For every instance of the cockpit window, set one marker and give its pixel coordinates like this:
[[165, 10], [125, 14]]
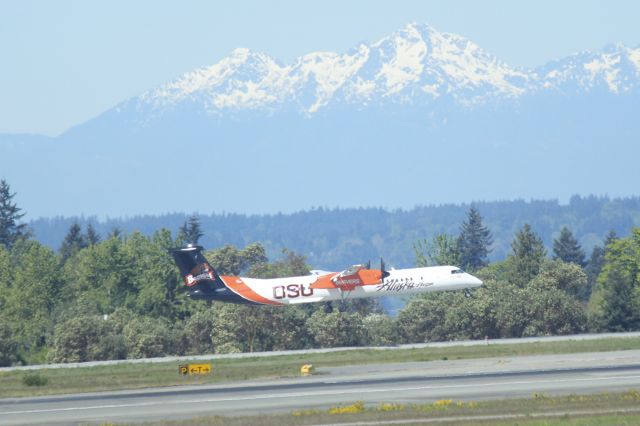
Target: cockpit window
[[457, 271]]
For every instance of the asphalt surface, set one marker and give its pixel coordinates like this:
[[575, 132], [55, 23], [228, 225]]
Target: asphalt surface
[[417, 382]]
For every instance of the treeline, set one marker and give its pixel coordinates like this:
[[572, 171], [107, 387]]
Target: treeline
[[336, 238], [119, 295]]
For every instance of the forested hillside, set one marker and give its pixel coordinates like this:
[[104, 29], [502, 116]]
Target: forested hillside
[[335, 238], [113, 296]]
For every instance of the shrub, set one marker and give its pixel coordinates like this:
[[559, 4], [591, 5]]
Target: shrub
[[73, 338], [381, 330], [35, 379]]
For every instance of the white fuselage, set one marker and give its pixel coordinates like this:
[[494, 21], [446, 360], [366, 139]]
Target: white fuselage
[[295, 290]]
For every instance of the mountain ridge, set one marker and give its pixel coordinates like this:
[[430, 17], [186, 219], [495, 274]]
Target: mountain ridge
[[416, 117], [416, 59], [598, 69]]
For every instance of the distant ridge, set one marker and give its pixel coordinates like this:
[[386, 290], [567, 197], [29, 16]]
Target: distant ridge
[[333, 238]]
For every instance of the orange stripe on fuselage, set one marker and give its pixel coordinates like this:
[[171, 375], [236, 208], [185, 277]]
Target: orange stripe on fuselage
[[243, 290]]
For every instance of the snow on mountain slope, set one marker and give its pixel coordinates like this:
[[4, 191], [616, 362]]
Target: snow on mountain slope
[[616, 70], [243, 80], [414, 64]]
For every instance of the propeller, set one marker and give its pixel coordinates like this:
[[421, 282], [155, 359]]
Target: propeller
[[383, 274]]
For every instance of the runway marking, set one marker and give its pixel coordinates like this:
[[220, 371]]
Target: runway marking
[[313, 393]]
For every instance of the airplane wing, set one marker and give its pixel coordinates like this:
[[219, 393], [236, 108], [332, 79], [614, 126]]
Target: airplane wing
[[350, 278]]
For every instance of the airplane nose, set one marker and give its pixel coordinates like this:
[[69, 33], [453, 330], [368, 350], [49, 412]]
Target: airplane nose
[[474, 281]]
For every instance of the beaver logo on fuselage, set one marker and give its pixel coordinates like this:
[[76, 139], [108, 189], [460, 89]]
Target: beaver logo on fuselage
[[199, 272]]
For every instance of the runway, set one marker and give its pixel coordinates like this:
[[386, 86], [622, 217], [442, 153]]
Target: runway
[[417, 382]]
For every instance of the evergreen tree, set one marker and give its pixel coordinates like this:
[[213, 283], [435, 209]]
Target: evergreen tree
[[443, 250], [190, 232], [73, 242], [528, 255], [593, 269], [610, 237], [617, 296], [474, 242], [92, 237], [619, 307], [116, 232], [567, 249], [597, 261], [10, 229]]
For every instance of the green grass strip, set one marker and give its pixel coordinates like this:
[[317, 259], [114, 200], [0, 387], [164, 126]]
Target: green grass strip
[[136, 376], [622, 408]]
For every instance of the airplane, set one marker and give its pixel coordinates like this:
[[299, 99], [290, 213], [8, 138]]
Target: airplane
[[358, 281]]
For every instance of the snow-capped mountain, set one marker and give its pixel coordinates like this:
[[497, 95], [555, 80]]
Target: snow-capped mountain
[[415, 65], [420, 116], [615, 70]]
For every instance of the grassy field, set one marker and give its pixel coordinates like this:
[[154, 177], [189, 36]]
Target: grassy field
[[134, 376], [584, 410]]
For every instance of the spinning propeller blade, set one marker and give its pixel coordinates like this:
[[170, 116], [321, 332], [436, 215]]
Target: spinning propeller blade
[[383, 273]]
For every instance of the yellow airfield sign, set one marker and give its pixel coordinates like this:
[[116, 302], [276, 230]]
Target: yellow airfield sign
[[193, 369]]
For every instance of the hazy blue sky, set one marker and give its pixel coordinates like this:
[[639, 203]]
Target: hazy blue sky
[[63, 62]]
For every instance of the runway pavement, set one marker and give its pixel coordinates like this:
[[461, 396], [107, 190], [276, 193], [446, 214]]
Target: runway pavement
[[407, 382]]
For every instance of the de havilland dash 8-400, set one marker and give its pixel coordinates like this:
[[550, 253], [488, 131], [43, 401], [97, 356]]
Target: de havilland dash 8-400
[[358, 281]]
